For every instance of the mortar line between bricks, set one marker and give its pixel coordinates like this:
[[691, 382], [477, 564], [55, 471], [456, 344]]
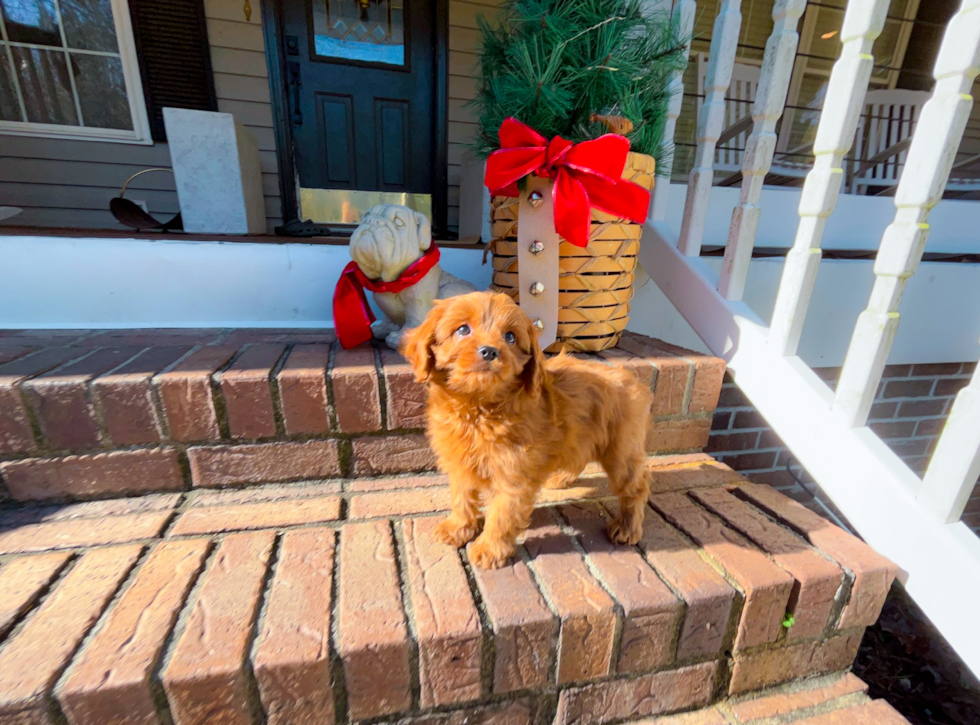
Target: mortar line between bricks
[[379, 375], [331, 399], [338, 678], [157, 692], [276, 394], [175, 513], [218, 398], [692, 371], [18, 623], [404, 589], [53, 706], [254, 700], [566, 528], [556, 623], [488, 653]]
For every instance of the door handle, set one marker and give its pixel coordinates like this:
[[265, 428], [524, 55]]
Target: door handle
[[295, 83]]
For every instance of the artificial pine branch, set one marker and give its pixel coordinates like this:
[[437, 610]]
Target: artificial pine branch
[[555, 64]]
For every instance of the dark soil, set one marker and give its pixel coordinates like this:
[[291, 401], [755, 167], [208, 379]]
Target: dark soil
[[906, 662]]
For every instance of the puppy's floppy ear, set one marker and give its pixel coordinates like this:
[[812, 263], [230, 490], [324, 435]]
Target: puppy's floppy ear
[[423, 230], [417, 344], [533, 373]]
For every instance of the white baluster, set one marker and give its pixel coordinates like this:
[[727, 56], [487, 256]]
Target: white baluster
[[721, 59], [684, 12], [842, 109], [777, 68], [930, 159], [955, 466]]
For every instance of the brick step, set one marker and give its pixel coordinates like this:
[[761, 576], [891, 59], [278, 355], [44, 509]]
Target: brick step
[[329, 602], [115, 413], [829, 700]]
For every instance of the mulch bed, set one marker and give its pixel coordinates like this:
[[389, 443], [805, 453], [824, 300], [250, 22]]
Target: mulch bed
[[906, 662]]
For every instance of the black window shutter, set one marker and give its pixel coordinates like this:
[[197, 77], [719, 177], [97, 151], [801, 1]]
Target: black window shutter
[[174, 56]]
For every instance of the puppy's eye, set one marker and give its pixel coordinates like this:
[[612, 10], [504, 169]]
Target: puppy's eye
[[399, 222], [463, 330], [510, 337]]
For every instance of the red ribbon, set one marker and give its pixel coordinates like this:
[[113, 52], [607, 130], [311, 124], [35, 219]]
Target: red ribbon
[[352, 315], [586, 175]]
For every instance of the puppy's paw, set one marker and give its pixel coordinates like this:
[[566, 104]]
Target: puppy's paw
[[488, 554], [625, 533], [454, 534]]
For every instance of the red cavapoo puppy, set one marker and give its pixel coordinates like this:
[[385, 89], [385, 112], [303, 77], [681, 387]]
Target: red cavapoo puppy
[[504, 421]]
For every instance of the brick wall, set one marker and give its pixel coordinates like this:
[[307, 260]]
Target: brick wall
[[908, 413]]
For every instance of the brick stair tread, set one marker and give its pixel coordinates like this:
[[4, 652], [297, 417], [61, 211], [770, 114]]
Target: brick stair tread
[[93, 414], [318, 601]]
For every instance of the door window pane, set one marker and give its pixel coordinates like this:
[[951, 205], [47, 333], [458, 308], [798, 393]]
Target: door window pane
[[9, 107], [102, 91], [31, 21], [364, 30], [89, 25], [45, 85]]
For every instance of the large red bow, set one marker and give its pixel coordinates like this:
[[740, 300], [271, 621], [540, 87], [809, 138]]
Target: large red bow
[[588, 174], [352, 316]]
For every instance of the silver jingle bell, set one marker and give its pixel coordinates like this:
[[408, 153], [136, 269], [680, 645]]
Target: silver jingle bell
[[536, 247], [537, 288]]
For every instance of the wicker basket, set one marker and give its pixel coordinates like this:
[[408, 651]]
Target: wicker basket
[[595, 283]]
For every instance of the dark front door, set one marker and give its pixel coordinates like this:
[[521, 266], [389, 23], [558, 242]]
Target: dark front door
[[361, 103]]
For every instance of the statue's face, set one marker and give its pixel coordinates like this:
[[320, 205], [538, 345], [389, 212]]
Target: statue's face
[[389, 238]]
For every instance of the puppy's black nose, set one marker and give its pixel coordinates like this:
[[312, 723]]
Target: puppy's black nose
[[489, 353]]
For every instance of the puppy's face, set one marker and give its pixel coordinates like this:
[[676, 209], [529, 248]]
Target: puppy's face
[[480, 345]]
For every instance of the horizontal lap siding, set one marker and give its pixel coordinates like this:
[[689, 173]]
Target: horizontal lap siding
[[464, 48], [65, 183]]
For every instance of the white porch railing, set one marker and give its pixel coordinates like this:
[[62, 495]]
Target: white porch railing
[[913, 521]]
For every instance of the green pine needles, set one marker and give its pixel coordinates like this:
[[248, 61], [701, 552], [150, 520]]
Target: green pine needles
[[552, 64]]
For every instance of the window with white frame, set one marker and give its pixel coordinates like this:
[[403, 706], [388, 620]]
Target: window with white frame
[[68, 69]]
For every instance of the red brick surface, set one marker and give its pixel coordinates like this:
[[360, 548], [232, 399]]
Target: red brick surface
[[645, 371], [782, 664], [878, 712], [766, 587], [116, 473], [392, 454], [372, 635], [399, 503], [873, 574], [678, 434], [303, 390], [523, 627], [447, 625], [61, 402], [673, 375], [49, 638], [217, 466], [405, 396], [651, 612], [785, 703], [125, 397], [274, 514], [585, 611], [247, 392], [709, 373], [292, 657], [355, 390], [204, 679], [82, 532], [23, 581], [616, 700], [15, 425], [109, 682], [817, 579], [709, 599], [185, 393]]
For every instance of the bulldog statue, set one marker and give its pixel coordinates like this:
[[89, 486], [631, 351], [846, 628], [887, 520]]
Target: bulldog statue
[[391, 241]]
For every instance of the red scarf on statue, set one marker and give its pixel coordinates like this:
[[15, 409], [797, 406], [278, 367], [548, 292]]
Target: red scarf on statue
[[352, 315]]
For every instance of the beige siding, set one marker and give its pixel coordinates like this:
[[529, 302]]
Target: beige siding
[[64, 183], [464, 48]]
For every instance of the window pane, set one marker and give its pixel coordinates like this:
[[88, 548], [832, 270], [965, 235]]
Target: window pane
[[102, 91], [9, 108], [31, 21], [89, 25], [44, 82], [356, 30]]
